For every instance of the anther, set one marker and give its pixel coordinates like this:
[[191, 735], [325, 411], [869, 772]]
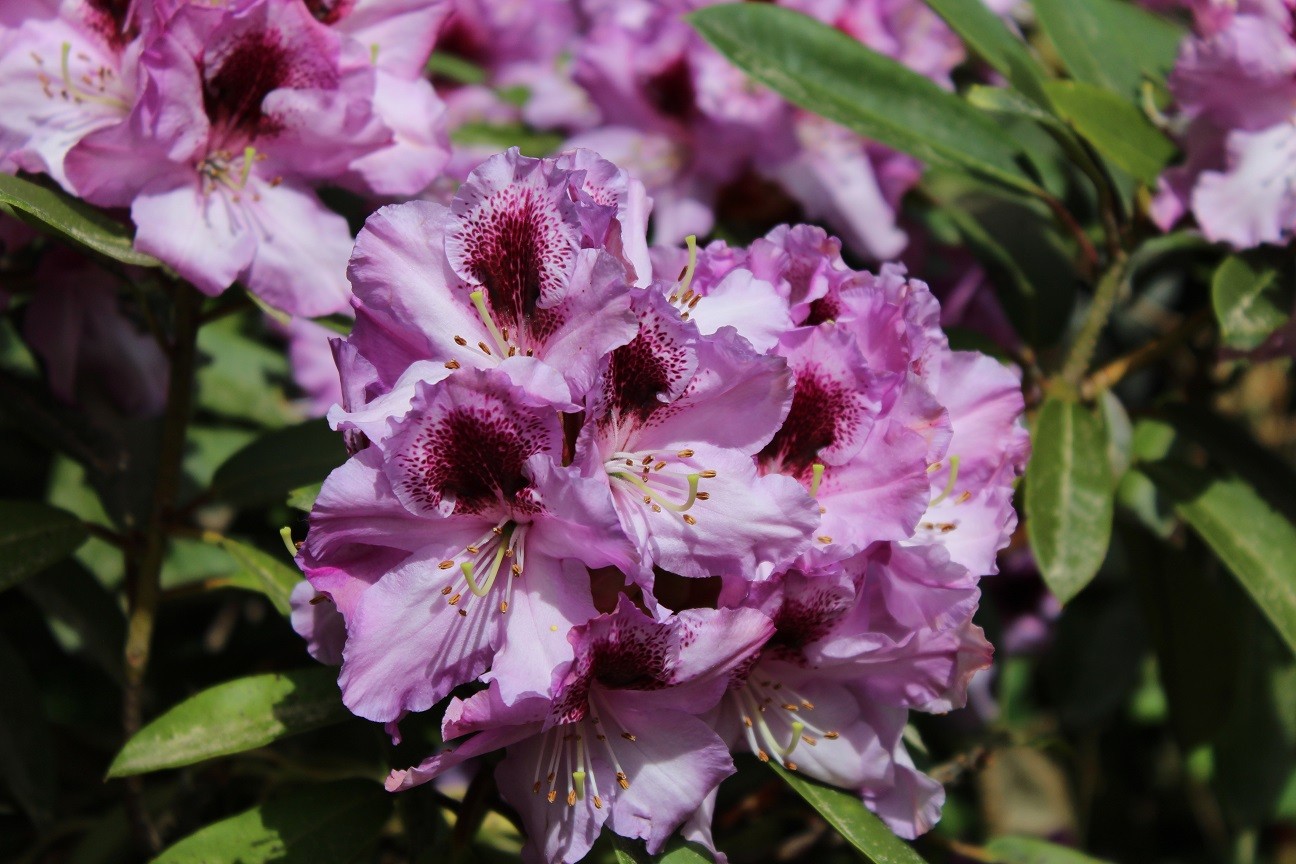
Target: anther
[[484, 347], [689, 518], [791, 766], [446, 565], [685, 454], [704, 496], [503, 606], [552, 795], [762, 755], [622, 780], [832, 736], [598, 803], [463, 612], [460, 341], [571, 798], [447, 589], [824, 538], [452, 364], [455, 599], [627, 736], [708, 474]]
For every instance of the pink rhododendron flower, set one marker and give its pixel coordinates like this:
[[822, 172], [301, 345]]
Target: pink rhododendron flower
[[548, 422], [213, 123], [1236, 85]]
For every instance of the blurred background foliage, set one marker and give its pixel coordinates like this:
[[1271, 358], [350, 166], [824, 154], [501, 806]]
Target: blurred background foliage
[[1152, 718]]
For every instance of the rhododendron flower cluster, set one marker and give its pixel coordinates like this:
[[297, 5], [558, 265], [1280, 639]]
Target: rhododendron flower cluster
[[636, 509], [1235, 84], [633, 81], [214, 123]]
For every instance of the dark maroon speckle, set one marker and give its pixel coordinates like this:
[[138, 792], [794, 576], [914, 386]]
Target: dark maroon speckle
[[234, 90], [474, 456], [822, 413]]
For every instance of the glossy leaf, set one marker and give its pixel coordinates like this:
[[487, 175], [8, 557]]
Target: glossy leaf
[[1032, 850], [1244, 531], [273, 465], [1069, 496], [1110, 43], [986, 35], [324, 824], [1114, 126], [847, 813], [233, 717], [65, 216], [1250, 300], [32, 537], [825, 71], [260, 571]]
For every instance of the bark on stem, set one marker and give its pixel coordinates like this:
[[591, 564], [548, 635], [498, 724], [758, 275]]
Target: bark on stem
[[147, 573]]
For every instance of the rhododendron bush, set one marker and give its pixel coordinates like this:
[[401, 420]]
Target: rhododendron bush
[[652, 430]]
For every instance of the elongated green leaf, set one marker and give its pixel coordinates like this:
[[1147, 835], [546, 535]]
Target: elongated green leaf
[[629, 851], [233, 717], [27, 755], [1244, 531], [1069, 496], [32, 537], [1031, 850], [847, 813], [986, 35], [1250, 300], [303, 497], [825, 71], [276, 463], [69, 217], [84, 616], [326, 824], [680, 852], [1110, 43], [1114, 126], [260, 571]]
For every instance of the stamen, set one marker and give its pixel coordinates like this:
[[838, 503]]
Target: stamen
[[479, 301], [691, 242], [949, 484]]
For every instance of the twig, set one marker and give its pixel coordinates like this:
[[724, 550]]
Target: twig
[[1111, 374], [1088, 252], [147, 575]]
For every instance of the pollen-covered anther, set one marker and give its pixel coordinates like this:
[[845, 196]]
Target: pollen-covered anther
[[708, 474], [685, 454], [452, 364], [690, 519], [446, 565], [627, 736], [824, 538], [622, 780], [460, 341]]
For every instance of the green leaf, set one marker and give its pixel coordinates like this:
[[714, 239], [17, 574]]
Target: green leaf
[[986, 35], [233, 717], [826, 71], [628, 851], [1110, 43], [84, 617], [1244, 531], [847, 813], [326, 824], [1119, 131], [1030, 850], [32, 537], [1069, 496], [457, 69], [65, 216], [681, 852], [27, 755], [1251, 299], [270, 467], [243, 378], [499, 136], [1185, 594], [303, 497], [259, 571]]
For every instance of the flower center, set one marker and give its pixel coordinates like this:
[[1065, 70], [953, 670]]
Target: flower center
[[499, 551], [663, 481], [776, 719], [567, 751]]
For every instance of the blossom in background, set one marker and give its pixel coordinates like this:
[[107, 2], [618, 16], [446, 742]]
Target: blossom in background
[[1235, 85], [557, 434], [213, 123]]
